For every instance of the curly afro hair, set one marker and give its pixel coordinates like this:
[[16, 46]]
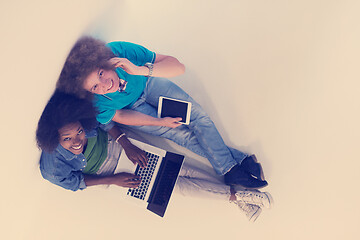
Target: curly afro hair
[[61, 110], [87, 55]]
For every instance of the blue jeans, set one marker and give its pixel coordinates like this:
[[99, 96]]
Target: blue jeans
[[200, 136]]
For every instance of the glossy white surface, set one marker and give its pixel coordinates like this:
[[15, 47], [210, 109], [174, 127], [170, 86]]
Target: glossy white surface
[[279, 78]]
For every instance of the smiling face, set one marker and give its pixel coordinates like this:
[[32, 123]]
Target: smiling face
[[72, 137], [102, 81]]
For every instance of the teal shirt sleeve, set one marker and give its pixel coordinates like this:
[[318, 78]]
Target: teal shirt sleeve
[[106, 111], [106, 116], [137, 54]]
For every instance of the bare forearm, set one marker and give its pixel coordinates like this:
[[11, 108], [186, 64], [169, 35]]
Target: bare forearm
[[167, 66], [134, 118], [119, 179], [91, 180], [116, 132], [164, 66]]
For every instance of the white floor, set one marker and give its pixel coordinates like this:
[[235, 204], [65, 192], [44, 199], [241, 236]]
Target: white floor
[[279, 78]]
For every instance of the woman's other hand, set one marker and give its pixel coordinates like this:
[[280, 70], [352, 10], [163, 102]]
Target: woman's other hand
[[135, 154], [127, 180]]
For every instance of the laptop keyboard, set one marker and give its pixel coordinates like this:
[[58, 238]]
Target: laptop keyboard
[[146, 175]]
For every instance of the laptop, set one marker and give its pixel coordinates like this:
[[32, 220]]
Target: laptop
[[157, 179]]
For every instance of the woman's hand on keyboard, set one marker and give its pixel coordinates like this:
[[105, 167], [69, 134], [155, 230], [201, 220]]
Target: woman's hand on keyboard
[[135, 154], [127, 180]]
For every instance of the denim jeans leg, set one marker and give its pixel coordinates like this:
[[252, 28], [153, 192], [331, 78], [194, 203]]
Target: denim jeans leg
[[181, 135], [200, 136], [193, 182]]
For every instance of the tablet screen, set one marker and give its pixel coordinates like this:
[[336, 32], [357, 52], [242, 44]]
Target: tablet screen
[[174, 108]]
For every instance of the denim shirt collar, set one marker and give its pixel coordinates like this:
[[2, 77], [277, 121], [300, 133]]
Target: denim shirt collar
[[65, 153]]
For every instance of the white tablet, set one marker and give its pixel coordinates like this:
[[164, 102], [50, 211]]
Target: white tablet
[[169, 107]]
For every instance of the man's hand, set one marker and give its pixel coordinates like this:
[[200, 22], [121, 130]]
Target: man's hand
[[128, 66], [171, 122]]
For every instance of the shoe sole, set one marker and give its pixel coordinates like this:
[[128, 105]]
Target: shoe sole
[[252, 188], [255, 215], [271, 200], [245, 188]]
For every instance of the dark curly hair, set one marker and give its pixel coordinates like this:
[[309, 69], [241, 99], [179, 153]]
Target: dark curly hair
[[63, 109], [87, 55]]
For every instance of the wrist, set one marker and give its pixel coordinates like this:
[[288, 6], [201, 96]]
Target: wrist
[[150, 67], [121, 136], [109, 180], [143, 71], [125, 143], [159, 122]]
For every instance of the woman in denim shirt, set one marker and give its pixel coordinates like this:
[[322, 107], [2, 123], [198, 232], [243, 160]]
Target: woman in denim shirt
[[64, 128], [125, 81], [77, 154]]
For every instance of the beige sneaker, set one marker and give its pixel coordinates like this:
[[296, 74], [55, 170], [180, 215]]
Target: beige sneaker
[[261, 199], [251, 211]]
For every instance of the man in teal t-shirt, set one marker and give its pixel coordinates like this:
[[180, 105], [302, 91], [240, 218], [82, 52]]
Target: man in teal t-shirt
[[140, 94], [134, 85]]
